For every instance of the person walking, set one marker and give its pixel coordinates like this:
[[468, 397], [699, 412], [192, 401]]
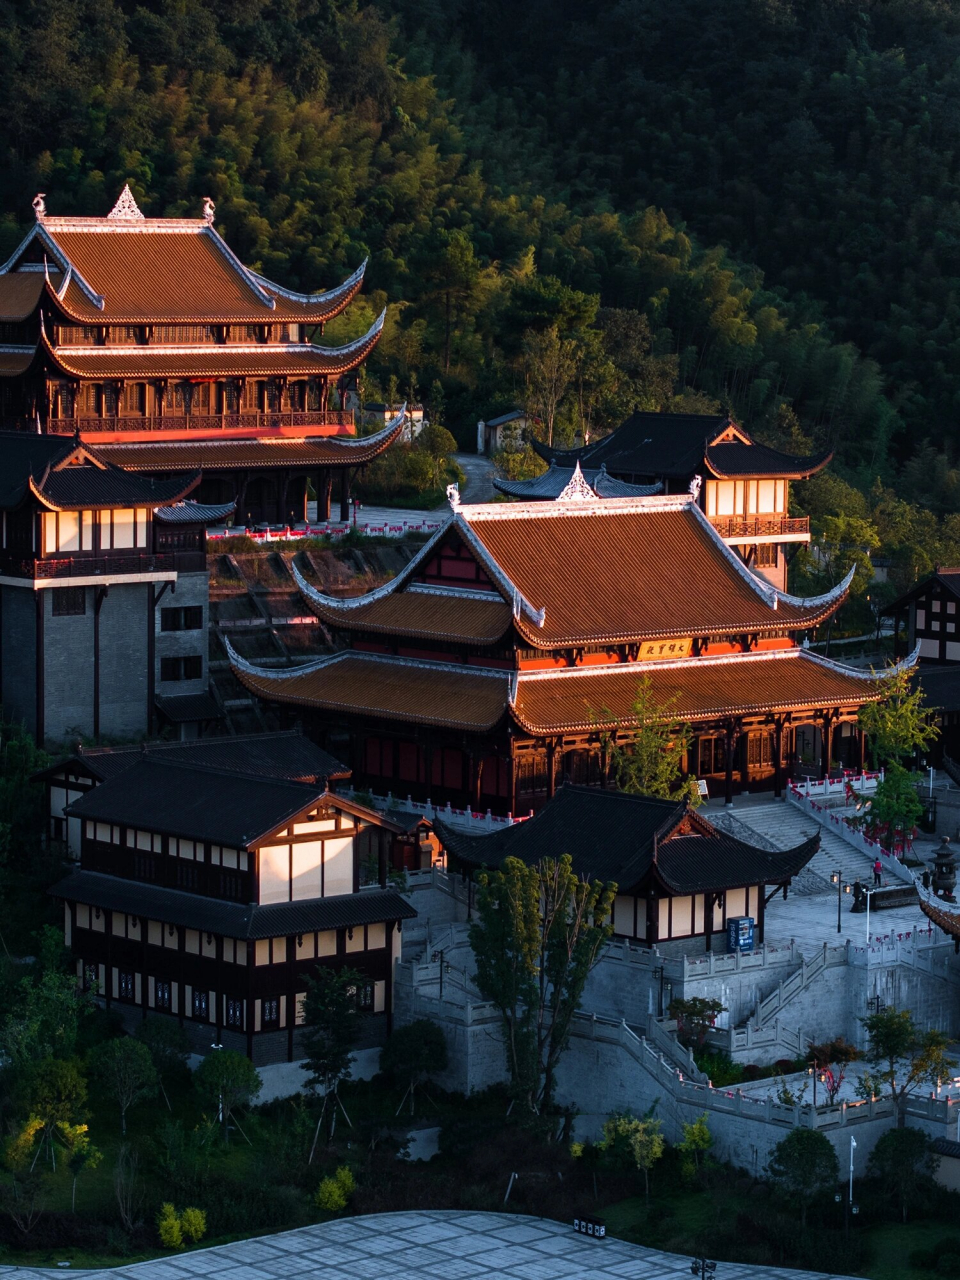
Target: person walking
[[877, 874]]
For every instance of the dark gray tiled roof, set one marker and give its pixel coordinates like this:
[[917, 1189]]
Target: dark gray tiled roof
[[232, 919], [624, 838], [196, 802], [675, 444], [271, 755], [90, 486], [552, 483], [189, 512]]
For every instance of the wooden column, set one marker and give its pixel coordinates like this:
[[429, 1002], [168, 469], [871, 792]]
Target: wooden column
[[323, 496], [551, 769], [730, 738], [826, 742], [345, 494], [778, 757], [861, 750], [476, 772]]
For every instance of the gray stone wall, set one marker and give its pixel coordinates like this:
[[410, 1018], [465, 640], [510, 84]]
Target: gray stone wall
[[192, 589], [18, 646], [68, 669], [124, 666]]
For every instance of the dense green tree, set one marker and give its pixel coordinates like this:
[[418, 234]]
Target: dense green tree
[[648, 759], [413, 1054], [124, 1068], [226, 1081], [904, 1165], [331, 1029], [804, 1165], [903, 1058], [538, 932]]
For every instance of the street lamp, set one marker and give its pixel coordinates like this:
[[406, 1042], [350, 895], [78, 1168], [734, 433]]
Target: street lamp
[[702, 1268], [817, 1075], [842, 888], [220, 1110]]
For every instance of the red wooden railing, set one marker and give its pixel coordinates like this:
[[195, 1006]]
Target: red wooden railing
[[202, 422], [760, 526]]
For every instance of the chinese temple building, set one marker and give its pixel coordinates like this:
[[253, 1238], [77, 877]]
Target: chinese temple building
[[506, 656], [103, 593], [211, 895], [677, 876], [148, 338], [745, 493]]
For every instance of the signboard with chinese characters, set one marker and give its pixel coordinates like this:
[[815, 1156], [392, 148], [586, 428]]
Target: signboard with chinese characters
[[661, 649]]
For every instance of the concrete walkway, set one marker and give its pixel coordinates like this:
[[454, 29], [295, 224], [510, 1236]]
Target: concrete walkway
[[430, 1245]]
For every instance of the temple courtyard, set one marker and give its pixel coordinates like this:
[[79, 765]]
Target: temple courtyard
[[431, 1245]]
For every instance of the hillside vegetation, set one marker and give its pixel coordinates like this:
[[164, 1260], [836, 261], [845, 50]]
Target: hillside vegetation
[[554, 214]]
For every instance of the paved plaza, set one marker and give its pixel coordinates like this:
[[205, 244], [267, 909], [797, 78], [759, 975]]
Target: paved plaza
[[430, 1245]]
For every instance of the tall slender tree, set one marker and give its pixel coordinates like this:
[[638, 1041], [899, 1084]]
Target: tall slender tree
[[538, 933]]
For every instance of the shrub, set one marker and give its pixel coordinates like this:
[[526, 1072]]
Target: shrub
[[193, 1224], [334, 1192], [752, 1072], [174, 1228], [168, 1227]]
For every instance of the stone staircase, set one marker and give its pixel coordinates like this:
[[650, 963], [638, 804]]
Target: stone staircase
[[786, 826]]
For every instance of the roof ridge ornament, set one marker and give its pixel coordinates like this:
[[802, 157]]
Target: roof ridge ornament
[[209, 211], [126, 209], [453, 496], [576, 489], [40, 206], [695, 484]]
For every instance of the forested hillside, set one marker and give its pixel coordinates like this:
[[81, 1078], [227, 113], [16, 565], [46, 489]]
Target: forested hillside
[[818, 138], [508, 191]]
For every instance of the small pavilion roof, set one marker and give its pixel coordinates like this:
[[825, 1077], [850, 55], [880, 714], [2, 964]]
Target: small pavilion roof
[[630, 839], [556, 479], [678, 445], [190, 512], [125, 268], [64, 475]]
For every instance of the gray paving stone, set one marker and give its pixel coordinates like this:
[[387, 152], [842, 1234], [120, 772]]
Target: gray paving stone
[[427, 1245]]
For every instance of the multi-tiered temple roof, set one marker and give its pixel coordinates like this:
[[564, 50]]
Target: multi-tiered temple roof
[[136, 331], [565, 606]]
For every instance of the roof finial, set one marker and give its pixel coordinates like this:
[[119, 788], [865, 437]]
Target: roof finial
[[126, 209], [453, 496], [39, 205], [209, 209], [695, 484]]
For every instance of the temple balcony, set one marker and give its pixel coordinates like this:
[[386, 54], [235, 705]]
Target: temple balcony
[[161, 565], [330, 422], [760, 529]]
